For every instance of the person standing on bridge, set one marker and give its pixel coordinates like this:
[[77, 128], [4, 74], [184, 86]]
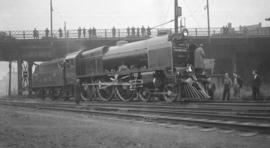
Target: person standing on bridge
[[133, 31], [90, 32], [46, 32], [148, 31], [138, 31], [143, 31], [113, 31], [60, 33], [128, 31], [35, 33], [94, 32], [84, 32], [79, 32]]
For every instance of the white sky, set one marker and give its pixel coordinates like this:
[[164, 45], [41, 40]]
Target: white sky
[[29, 14]]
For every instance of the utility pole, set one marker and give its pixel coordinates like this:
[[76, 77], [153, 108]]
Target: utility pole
[[51, 12], [175, 16], [208, 19], [65, 29], [9, 79]]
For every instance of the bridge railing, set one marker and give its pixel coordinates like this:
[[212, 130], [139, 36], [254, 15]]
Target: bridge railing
[[123, 33]]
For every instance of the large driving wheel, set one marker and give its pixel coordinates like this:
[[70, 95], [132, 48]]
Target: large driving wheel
[[125, 93], [145, 94], [105, 93], [171, 93]]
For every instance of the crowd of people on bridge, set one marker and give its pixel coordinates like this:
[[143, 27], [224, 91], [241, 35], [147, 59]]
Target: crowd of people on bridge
[[92, 32]]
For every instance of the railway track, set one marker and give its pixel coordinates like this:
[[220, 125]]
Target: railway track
[[255, 118]]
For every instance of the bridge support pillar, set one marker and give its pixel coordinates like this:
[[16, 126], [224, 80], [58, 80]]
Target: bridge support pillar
[[19, 73], [24, 77], [30, 66]]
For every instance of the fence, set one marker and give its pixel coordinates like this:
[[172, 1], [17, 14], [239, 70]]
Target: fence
[[124, 33]]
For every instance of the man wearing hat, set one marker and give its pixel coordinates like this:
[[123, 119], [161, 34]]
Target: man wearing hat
[[199, 59]]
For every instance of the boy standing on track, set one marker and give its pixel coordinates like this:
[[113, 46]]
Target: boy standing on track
[[237, 85]]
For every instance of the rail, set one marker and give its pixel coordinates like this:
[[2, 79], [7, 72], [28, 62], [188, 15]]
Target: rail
[[246, 122], [127, 33]]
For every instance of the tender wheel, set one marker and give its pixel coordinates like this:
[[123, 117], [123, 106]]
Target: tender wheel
[[145, 94], [56, 93], [105, 93], [124, 93], [171, 93], [41, 93], [52, 94]]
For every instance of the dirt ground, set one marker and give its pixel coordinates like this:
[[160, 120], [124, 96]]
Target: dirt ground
[[31, 128]]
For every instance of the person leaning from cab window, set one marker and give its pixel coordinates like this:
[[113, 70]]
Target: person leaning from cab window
[[199, 59]]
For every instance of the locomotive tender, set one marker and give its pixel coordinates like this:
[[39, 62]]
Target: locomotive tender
[[155, 67]]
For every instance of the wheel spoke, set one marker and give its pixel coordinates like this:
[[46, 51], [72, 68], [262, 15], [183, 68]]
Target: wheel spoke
[[106, 93], [145, 94]]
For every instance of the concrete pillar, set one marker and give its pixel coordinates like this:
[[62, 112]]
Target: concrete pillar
[[9, 79], [30, 65], [19, 67]]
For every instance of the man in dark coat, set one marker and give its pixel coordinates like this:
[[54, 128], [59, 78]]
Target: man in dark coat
[[256, 83]]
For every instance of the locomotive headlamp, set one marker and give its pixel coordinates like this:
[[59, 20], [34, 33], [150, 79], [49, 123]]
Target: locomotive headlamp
[[185, 32]]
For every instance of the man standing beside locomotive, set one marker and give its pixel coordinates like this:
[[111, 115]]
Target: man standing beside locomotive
[[237, 85], [227, 87], [199, 59], [256, 83]]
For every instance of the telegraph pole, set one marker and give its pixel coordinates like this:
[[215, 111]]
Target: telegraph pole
[[208, 19], [175, 16], [51, 12], [9, 80]]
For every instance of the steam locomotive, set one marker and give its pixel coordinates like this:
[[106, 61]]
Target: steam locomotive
[[152, 68]]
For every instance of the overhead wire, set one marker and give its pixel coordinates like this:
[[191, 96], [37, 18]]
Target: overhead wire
[[168, 8], [193, 12]]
